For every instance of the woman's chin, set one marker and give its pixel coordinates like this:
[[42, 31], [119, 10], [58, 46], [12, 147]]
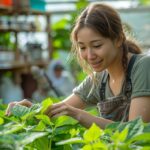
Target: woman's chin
[[98, 69]]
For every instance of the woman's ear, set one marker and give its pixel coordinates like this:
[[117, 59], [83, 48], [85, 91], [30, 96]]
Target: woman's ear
[[118, 42]]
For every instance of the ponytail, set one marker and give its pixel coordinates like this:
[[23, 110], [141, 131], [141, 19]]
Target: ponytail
[[129, 46]]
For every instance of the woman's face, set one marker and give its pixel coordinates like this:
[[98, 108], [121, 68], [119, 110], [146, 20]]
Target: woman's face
[[99, 52]]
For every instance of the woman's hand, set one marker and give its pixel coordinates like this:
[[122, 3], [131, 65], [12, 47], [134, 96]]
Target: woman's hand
[[60, 109], [24, 102]]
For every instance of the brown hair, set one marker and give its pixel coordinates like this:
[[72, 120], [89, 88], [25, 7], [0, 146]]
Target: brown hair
[[106, 21]]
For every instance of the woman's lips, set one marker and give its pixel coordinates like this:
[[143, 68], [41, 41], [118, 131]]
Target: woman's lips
[[96, 64]]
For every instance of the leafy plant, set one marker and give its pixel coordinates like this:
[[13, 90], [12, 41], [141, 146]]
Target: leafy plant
[[30, 128]]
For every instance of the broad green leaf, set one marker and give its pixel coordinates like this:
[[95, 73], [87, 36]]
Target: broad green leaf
[[19, 110], [45, 104], [135, 128], [120, 136], [74, 132], [1, 121], [87, 147], [24, 112], [63, 120], [11, 129], [123, 134], [141, 137], [45, 119], [145, 148], [42, 143], [99, 146], [93, 133], [70, 141], [30, 137], [35, 109], [146, 127], [40, 127], [64, 129]]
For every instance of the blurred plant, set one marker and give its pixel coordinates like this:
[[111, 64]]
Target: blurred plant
[[144, 2], [61, 29], [5, 41], [61, 37]]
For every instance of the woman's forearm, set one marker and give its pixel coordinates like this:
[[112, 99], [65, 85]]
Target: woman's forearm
[[87, 119]]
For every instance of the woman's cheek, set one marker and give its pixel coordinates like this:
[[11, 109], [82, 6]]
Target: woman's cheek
[[82, 55]]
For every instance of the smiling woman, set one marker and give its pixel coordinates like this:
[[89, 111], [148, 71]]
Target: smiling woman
[[119, 76]]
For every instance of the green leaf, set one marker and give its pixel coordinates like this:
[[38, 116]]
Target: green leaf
[[141, 137], [24, 112], [63, 120], [1, 121], [45, 104], [87, 147], [45, 119], [41, 143], [146, 127], [136, 127], [11, 128], [123, 134], [93, 133], [74, 132], [120, 136], [35, 109], [40, 127], [70, 141], [19, 110], [30, 137]]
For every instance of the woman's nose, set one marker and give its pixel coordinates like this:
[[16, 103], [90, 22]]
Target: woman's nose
[[90, 54]]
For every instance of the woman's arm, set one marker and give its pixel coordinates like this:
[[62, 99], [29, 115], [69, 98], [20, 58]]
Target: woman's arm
[[140, 106], [72, 107]]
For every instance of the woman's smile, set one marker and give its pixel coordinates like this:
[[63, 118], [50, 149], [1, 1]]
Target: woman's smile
[[95, 65]]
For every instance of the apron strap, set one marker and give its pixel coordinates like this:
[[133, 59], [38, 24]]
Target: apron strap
[[128, 86], [103, 85]]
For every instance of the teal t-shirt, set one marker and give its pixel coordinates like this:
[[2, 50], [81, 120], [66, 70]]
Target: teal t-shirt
[[89, 90]]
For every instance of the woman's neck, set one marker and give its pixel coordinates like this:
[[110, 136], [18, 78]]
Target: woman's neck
[[117, 75], [116, 70]]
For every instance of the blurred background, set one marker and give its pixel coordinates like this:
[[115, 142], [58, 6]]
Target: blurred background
[[35, 44]]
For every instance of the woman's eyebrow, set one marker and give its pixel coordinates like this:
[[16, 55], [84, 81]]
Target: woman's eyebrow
[[79, 42], [95, 41]]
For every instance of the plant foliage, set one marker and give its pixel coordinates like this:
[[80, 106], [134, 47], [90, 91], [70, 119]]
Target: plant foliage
[[31, 129]]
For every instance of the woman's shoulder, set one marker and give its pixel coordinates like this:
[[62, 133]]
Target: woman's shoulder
[[142, 59], [142, 63]]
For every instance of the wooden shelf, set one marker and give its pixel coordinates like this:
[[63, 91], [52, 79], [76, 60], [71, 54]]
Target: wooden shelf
[[11, 11], [3, 29], [15, 66]]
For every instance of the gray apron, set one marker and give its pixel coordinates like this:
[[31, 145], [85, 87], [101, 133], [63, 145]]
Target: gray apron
[[116, 108]]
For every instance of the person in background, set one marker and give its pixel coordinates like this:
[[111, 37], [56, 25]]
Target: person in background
[[10, 89], [44, 86], [61, 79], [118, 79]]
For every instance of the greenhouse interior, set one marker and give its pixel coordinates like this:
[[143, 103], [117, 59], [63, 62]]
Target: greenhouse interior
[[72, 75]]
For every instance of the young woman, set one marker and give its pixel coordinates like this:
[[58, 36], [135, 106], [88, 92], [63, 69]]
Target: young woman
[[119, 76]]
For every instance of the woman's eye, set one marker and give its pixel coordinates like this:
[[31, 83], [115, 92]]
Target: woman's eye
[[82, 48], [97, 46]]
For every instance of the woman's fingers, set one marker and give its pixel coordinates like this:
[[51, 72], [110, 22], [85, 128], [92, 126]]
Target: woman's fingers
[[60, 114], [57, 110], [10, 106], [53, 107], [25, 102]]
